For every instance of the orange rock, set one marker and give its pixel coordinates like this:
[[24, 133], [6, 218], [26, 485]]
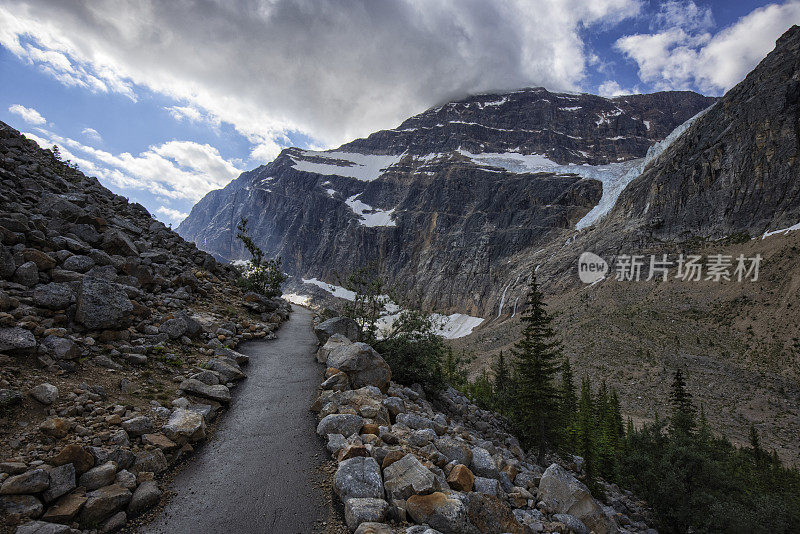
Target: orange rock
[[391, 458], [76, 455], [370, 428], [461, 478]]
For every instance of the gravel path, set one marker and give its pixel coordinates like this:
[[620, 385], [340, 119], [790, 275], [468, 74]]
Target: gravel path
[[261, 471]]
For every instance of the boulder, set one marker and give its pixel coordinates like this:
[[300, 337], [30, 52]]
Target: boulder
[[487, 486], [461, 478], [114, 523], [62, 481], [564, 494], [101, 304], [41, 527], [228, 371], [340, 423], [54, 296], [45, 393], [136, 426], [152, 461], [15, 339], [9, 398], [146, 496], [217, 393], [345, 326], [76, 455], [175, 328], [103, 503], [371, 527], [66, 508], [363, 510], [20, 507], [362, 364], [30, 482], [97, 477], [78, 263], [490, 515], [483, 464], [185, 425], [445, 513], [407, 477], [117, 242], [60, 348], [333, 342], [574, 524], [454, 450], [27, 274], [358, 477]]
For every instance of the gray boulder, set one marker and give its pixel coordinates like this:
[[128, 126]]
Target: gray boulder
[[27, 274], [78, 263], [146, 496], [136, 426], [101, 304], [340, 423], [60, 348], [217, 393], [42, 527], [54, 296], [15, 339], [483, 464], [362, 364], [334, 342], [565, 494], [185, 425], [407, 477], [62, 481], [45, 393], [228, 370], [454, 450], [364, 510], [103, 503], [338, 325], [97, 477], [358, 477], [574, 524], [32, 481]]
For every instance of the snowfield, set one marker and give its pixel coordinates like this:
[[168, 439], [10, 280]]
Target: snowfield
[[363, 167]]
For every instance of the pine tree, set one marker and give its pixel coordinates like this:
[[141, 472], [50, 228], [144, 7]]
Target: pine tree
[[587, 424], [682, 421], [535, 402], [568, 408], [502, 384]]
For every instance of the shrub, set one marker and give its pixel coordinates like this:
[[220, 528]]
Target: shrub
[[263, 276]]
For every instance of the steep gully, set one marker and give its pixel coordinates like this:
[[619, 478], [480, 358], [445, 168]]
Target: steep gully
[[260, 472]]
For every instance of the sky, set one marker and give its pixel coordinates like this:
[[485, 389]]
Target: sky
[[166, 101]]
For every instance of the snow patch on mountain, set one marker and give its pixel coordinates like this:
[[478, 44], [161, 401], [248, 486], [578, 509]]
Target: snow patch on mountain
[[363, 167], [782, 231], [336, 291], [370, 216]]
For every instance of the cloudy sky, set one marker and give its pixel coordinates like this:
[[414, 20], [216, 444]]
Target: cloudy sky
[[165, 101]]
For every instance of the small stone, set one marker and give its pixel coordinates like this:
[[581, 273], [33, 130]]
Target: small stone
[[344, 424], [126, 479], [185, 425], [41, 527], [56, 427], [9, 398], [15, 339], [358, 478], [114, 523], [27, 274]]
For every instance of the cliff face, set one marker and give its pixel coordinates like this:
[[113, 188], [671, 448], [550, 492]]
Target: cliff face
[[447, 198]]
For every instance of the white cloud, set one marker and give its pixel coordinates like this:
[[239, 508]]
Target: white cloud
[[610, 89], [684, 14], [92, 134], [330, 71], [177, 169], [685, 56], [29, 115], [173, 215]]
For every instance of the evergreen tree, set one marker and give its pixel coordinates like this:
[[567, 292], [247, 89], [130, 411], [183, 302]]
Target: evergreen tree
[[535, 402], [682, 421], [502, 384], [587, 425], [568, 408]]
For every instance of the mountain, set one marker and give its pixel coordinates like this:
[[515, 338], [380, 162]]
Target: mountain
[[458, 203], [445, 199]]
